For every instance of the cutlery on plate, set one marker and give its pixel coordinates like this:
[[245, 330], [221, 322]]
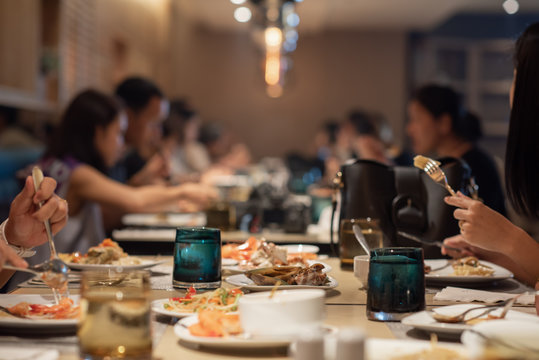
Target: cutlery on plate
[[506, 304], [432, 168], [419, 240], [52, 272]]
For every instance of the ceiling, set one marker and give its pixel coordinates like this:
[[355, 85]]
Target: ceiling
[[318, 15]]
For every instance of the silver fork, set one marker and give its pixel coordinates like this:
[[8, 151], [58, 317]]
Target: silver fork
[[432, 168]]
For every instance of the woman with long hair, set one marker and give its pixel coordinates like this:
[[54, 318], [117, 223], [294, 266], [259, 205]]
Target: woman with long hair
[[485, 232]]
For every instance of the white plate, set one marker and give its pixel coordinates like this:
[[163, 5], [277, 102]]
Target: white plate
[[165, 220], [384, 349], [237, 269], [228, 262], [143, 265], [246, 283], [515, 332], [299, 248], [34, 325], [157, 307], [234, 342], [442, 273], [423, 321]]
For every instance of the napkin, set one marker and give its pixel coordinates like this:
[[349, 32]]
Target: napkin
[[468, 295], [20, 353]]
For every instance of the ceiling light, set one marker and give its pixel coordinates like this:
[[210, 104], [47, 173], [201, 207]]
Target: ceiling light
[[273, 37], [242, 14], [510, 6], [292, 19], [237, 2]]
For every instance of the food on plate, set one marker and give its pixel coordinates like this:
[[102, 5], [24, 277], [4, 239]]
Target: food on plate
[[255, 253], [291, 275], [215, 323], [221, 299], [106, 253], [66, 309], [435, 352], [428, 269], [471, 266]]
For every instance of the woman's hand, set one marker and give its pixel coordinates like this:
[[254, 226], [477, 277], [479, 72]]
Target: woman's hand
[[480, 226], [25, 225], [7, 254]]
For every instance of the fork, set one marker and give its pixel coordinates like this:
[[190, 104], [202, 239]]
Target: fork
[[507, 304], [432, 168]]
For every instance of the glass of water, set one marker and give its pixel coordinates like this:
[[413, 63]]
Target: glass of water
[[396, 283], [197, 258], [115, 315]]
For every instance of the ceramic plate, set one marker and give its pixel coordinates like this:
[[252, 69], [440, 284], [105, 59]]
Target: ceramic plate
[[246, 283], [423, 321], [34, 326], [442, 273], [237, 269], [165, 220], [157, 307], [143, 265], [228, 262], [517, 333], [235, 342], [299, 248]]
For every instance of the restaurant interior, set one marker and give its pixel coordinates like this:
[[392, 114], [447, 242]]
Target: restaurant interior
[[256, 179]]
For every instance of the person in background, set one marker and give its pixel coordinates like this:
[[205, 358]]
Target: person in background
[[485, 232], [439, 126], [24, 228], [88, 142], [188, 158], [222, 149], [146, 109]]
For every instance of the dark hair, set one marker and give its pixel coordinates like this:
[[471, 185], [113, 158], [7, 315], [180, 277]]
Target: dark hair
[[362, 122], [136, 92], [331, 127], [522, 153], [75, 134], [210, 133], [180, 114], [440, 100], [9, 114]]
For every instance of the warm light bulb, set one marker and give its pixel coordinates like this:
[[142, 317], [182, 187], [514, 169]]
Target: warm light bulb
[[273, 68], [242, 14], [273, 37], [510, 6], [237, 2]]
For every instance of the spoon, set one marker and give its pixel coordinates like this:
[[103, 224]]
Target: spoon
[[487, 309], [52, 272], [54, 265], [361, 239]]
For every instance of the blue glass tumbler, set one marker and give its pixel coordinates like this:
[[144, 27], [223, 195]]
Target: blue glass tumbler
[[197, 258], [396, 283]]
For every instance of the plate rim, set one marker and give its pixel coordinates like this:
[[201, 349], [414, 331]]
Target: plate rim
[[34, 324], [332, 285], [505, 274], [181, 331], [447, 328], [145, 264]]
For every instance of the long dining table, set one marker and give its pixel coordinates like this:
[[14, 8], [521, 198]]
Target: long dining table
[[345, 307]]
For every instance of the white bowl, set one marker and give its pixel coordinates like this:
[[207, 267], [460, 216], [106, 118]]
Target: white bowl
[[287, 313], [361, 269]]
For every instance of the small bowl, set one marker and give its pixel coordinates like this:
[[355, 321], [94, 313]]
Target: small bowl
[[287, 313], [361, 269]]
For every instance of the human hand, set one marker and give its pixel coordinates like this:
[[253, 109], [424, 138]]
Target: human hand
[[7, 254], [201, 194], [25, 225], [481, 226], [458, 242]]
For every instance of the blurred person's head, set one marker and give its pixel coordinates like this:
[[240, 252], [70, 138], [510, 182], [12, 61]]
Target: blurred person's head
[[215, 139], [146, 108], [435, 115], [522, 152], [366, 141], [182, 122], [91, 130]]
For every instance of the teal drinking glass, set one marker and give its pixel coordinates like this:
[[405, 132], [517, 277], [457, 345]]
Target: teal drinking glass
[[396, 283], [197, 258]]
